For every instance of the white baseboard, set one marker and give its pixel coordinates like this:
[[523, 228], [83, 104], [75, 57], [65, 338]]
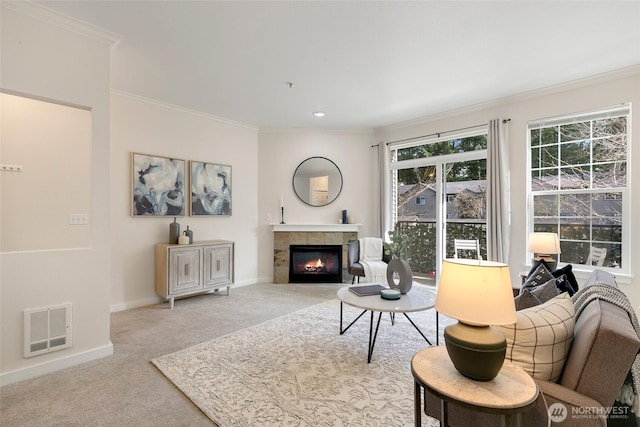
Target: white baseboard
[[134, 304], [157, 300], [55, 365], [266, 279]]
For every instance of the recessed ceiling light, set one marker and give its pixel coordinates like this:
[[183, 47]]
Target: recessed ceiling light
[[319, 113]]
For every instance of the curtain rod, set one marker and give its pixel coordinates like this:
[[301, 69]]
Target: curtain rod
[[440, 133]]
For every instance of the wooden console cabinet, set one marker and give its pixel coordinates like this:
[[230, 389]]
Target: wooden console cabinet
[[183, 270]]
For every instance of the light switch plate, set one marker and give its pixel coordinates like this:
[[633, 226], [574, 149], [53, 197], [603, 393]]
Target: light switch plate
[[78, 219]]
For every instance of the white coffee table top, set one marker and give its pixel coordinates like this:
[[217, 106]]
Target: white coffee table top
[[419, 298]]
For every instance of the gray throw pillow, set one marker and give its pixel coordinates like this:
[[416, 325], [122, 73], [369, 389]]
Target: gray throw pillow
[[525, 300], [547, 291], [539, 276]]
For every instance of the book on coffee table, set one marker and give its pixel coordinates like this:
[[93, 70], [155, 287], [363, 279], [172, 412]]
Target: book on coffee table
[[365, 290]]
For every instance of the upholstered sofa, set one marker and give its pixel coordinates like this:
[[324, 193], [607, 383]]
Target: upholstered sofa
[[604, 347]]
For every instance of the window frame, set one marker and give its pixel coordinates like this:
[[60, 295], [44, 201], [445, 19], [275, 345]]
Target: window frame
[[437, 161], [623, 274]]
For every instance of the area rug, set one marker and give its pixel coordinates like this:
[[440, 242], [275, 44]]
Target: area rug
[[297, 370]]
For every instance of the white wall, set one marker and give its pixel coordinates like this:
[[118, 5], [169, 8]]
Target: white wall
[[280, 153], [60, 147], [601, 91], [47, 61], [147, 127]]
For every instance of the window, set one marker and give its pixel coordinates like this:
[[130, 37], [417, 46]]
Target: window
[[438, 190], [578, 184]]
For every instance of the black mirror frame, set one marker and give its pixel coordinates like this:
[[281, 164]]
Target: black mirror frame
[[293, 181]]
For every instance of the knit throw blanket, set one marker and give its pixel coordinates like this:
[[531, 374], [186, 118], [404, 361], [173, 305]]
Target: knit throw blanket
[[608, 293], [375, 270]]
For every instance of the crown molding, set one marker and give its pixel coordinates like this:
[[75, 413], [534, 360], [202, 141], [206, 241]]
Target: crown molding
[[173, 107], [318, 131], [622, 73], [49, 16]]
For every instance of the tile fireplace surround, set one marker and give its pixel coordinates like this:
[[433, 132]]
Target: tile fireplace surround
[[309, 234]]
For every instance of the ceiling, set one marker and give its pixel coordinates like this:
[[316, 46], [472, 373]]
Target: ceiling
[[366, 63]]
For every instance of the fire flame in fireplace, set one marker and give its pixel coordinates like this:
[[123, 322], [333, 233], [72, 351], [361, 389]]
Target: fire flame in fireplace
[[311, 266]]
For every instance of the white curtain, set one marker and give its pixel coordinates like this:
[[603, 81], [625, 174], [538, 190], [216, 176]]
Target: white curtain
[[498, 192], [384, 201]]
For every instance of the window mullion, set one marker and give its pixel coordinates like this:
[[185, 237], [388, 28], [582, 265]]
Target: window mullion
[[582, 212]]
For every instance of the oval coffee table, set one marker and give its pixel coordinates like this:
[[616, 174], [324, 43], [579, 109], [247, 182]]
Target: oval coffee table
[[419, 298]]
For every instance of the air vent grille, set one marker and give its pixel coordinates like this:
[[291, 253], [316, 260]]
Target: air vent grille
[[47, 329]]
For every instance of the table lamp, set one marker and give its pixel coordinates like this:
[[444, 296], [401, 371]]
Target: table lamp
[[478, 294], [545, 245]]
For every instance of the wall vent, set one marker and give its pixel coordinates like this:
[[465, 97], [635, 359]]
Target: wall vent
[[47, 329]]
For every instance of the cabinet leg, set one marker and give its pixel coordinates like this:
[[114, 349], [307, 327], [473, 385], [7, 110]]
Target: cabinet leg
[[171, 304]]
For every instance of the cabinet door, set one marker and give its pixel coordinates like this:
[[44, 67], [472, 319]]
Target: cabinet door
[[218, 265], [184, 269]]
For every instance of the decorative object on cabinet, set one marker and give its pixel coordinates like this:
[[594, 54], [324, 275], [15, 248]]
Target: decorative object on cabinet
[[210, 189], [196, 268], [174, 232], [157, 185]]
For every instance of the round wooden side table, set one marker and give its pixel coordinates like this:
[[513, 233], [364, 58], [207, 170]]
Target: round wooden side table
[[512, 391]]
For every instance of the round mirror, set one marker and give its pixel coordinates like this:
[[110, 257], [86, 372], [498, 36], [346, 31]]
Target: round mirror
[[317, 181]]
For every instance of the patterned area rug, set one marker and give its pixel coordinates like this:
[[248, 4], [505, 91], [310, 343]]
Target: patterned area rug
[[297, 370]]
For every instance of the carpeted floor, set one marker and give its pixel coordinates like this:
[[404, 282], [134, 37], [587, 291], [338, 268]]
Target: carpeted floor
[[298, 370], [126, 389]]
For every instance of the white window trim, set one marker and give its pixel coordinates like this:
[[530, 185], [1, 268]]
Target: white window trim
[[623, 275], [395, 165]]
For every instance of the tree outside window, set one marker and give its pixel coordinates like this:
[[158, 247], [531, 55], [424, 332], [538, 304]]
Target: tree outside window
[[579, 183]]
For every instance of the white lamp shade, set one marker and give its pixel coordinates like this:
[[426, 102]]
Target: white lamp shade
[[476, 292], [544, 243]]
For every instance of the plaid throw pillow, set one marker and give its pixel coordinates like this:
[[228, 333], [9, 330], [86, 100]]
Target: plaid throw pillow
[[541, 337]]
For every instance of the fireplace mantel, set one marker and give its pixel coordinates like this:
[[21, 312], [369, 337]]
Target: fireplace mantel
[[327, 228]]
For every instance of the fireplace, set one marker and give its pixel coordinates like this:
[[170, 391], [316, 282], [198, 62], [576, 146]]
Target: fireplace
[[315, 264]]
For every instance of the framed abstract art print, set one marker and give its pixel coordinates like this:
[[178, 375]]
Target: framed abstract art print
[[158, 186], [210, 189]]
